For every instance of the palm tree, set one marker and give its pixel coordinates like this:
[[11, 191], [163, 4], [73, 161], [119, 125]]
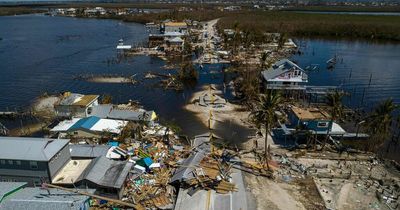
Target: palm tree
[[263, 58], [263, 113], [379, 123], [334, 100]]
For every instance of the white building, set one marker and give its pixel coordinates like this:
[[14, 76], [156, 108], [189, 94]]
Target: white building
[[175, 27], [285, 74], [90, 127], [75, 105]]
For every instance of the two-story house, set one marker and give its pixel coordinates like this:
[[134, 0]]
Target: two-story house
[[32, 160], [285, 75], [75, 105]]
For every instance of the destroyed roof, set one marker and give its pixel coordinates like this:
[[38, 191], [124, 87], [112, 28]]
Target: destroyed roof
[[111, 112], [40, 199], [7, 188], [185, 172], [173, 33], [310, 113], [21, 148], [88, 150], [176, 40], [176, 24], [108, 173], [95, 124], [75, 99], [210, 199], [279, 68]]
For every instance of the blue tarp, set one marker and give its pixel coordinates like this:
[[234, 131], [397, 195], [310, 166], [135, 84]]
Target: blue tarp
[[145, 162], [113, 143]]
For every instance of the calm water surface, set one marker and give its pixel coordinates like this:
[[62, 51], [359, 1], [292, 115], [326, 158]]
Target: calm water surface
[[357, 62]]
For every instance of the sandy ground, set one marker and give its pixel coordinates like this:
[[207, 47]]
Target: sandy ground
[[110, 80], [45, 103], [229, 122], [27, 130], [270, 194], [229, 112]]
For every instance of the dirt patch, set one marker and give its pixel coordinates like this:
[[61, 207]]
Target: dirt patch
[[270, 194]]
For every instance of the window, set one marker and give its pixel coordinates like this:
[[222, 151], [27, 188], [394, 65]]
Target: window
[[33, 164], [10, 162], [322, 124], [2, 162], [18, 162]]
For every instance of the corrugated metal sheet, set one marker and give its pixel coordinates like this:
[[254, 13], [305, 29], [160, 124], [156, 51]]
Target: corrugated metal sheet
[[185, 171], [108, 173], [88, 151], [85, 123], [42, 199]]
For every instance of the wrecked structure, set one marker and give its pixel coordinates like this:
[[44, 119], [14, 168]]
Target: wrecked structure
[[74, 104], [89, 127]]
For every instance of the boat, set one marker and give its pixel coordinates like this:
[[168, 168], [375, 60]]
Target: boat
[[331, 62]]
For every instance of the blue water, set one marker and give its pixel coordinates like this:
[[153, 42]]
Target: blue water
[[43, 54], [358, 61]]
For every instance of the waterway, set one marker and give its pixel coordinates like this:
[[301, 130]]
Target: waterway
[[368, 71], [43, 54]]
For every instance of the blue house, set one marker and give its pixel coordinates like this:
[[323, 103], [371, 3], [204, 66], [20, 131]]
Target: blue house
[[312, 119]]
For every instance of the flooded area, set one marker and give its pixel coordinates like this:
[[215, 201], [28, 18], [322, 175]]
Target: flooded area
[[44, 54], [358, 63], [41, 54]]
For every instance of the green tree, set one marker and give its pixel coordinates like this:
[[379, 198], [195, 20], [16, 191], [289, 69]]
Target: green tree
[[263, 114], [379, 123]]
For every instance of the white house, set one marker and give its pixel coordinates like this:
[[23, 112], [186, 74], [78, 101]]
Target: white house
[[75, 105], [285, 74], [90, 127], [175, 27]]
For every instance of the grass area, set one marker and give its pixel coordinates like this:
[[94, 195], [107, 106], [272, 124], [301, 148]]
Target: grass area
[[132, 5], [200, 15], [4, 11], [346, 8], [323, 25]]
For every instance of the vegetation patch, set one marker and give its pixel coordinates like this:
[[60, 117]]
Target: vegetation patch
[[306, 24]]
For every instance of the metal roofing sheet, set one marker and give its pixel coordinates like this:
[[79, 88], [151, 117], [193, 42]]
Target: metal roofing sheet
[[108, 173], [85, 123], [21, 148], [45, 199], [88, 150]]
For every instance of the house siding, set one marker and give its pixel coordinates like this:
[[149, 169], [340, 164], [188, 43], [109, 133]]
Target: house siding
[[59, 160], [23, 172]]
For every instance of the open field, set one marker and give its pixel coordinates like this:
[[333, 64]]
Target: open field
[[323, 25], [346, 8], [4, 11]]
